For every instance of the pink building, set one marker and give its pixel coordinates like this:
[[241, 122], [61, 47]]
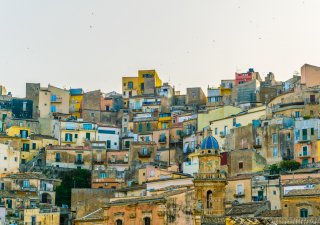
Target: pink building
[[241, 78]]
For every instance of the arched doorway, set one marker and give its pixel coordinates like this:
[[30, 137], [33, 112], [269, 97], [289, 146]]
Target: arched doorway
[[209, 199], [46, 198], [147, 221], [119, 222]]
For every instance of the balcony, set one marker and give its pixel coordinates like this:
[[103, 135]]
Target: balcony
[[144, 154], [78, 162], [56, 99], [207, 176], [163, 140], [98, 162], [239, 195], [119, 161], [304, 154]]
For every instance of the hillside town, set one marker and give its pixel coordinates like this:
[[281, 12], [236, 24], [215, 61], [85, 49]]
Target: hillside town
[[244, 151]]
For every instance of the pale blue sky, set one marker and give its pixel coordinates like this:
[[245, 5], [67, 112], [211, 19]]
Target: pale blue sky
[[92, 44]]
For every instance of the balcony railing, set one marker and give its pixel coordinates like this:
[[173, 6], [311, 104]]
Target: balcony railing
[[304, 154], [205, 176], [144, 154], [78, 162], [119, 161], [239, 195], [56, 100], [163, 140]]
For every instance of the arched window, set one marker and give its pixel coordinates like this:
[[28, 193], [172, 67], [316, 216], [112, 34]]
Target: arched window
[[147, 221], [209, 199], [304, 213], [119, 222]]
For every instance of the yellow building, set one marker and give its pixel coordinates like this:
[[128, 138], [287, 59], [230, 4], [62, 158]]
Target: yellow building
[[76, 96], [76, 133], [164, 121], [17, 131], [49, 216], [145, 83], [216, 114], [221, 127]]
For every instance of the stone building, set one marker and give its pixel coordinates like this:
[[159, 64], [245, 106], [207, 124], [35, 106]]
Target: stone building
[[195, 96], [209, 183], [168, 208]]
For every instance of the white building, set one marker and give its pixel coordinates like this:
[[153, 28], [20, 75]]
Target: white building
[[111, 135], [9, 159], [191, 166]]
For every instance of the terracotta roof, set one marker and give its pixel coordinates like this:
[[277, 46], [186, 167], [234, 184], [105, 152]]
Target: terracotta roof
[[18, 194], [34, 175], [272, 213], [303, 192], [247, 208], [308, 180]]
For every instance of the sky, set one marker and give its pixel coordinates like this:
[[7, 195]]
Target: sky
[[92, 44]]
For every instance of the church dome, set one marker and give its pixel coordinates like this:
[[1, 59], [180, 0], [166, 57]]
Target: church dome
[[210, 143]]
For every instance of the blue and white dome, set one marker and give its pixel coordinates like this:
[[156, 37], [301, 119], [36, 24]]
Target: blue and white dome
[[210, 143]]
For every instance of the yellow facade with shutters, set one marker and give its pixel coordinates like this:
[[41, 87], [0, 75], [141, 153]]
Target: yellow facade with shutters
[[75, 105]]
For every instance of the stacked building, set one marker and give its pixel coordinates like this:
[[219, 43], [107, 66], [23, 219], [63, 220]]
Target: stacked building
[[249, 148]]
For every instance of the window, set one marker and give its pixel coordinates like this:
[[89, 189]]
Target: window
[[274, 138], [102, 175], [142, 86], [25, 147], [5, 158], [58, 157], [304, 213], [147, 221], [304, 150], [226, 130], [108, 144], [240, 165], [288, 136], [274, 192], [87, 126], [240, 189], [140, 127], [297, 114], [92, 114], [34, 145], [275, 152], [53, 109], [312, 131], [88, 136], [26, 183], [16, 159], [216, 131], [304, 134], [68, 137], [75, 135], [124, 84], [24, 106], [148, 126], [130, 85], [144, 151], [79, 157]]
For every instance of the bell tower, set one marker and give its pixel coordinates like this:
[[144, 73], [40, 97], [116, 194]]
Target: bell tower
[[209, 183]]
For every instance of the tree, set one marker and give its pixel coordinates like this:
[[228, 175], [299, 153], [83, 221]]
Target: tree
[[274, 169], [289, 165], [77, 178]]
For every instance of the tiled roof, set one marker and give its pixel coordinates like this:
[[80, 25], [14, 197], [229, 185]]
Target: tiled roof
[[246, 208], [300, 181], [18, 194], [210, 220], [303, 192], [96, 215], [272, 213], [27, 176]]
